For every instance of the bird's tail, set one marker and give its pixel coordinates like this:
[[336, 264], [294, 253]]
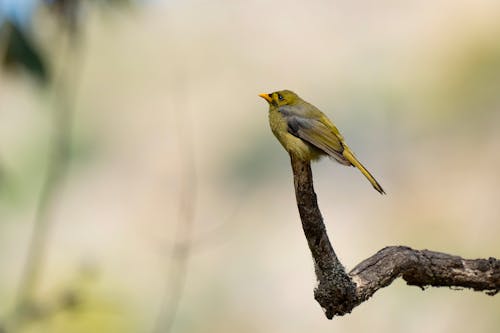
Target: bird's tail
[[354, 161]]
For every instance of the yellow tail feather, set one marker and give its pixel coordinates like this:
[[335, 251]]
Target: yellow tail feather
[[350, 157]]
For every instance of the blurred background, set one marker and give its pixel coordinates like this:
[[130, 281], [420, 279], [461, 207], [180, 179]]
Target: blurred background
[[141, 189]]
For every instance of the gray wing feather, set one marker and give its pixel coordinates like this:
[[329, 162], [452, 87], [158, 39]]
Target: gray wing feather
[[314, 132]]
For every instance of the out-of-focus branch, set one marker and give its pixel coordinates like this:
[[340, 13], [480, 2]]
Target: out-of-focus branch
[[338, 292], [56, 170], [183, 234], [64, 96]]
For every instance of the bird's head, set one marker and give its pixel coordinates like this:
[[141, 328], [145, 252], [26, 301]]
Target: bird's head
[[280, 98]]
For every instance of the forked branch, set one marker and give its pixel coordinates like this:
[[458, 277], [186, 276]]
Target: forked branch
[[339, 292]]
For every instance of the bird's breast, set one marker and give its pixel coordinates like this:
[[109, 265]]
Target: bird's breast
[[292, 144]]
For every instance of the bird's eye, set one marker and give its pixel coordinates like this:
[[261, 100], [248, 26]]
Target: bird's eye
[[280, 97]]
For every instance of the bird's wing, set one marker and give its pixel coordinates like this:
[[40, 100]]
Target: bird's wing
[[317, 133]]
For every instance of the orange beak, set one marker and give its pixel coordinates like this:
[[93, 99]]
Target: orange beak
[[266, 97]]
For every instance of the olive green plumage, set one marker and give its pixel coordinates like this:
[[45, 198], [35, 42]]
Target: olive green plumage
[[305, 132]]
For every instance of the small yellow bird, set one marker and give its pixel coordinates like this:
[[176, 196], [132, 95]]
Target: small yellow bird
[[306, 133]]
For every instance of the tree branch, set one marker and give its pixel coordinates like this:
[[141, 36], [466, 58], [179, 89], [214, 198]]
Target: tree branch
[[338, 292]]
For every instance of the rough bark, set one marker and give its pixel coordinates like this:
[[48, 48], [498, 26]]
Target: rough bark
[[339, 292]]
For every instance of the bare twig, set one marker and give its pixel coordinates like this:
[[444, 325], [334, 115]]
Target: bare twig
[[338, 292]]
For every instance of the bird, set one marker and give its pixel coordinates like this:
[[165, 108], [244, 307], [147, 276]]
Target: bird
[[306, 133]]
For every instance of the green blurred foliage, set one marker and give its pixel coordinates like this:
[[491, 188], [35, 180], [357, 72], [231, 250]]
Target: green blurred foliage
[[19, 186], [78, 306], [21, 52]]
